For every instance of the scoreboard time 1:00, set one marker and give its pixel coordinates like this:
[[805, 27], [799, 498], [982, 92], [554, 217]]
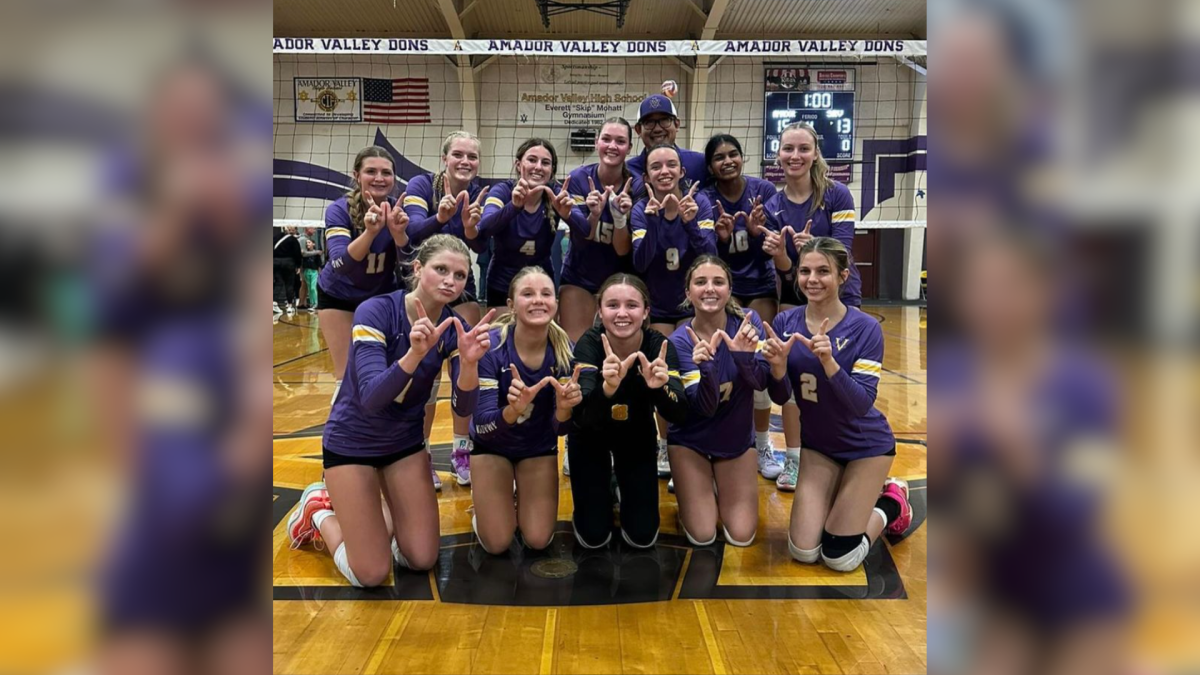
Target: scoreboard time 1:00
[[831, 113]]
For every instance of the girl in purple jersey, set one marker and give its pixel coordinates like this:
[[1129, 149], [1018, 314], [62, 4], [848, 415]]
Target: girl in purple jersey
[[450, 202], [844, 499], [373, 440], [521, 217], [740, 223], [671, 228], [596, 252], [722, 367], [826, 209], [363, 231], [527, 393]]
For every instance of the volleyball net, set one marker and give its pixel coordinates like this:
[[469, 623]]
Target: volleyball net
[[869, 109]]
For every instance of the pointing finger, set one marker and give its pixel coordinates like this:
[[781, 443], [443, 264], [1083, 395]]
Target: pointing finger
[[420, 308], [591, 184], [441, 328], [487, 318], [692, 334], [575, 374], [607, 347], [628, 182], [720, 210], [662, 352], [770, 332], [516, 376], [482, 194], [692, 192], [566, 186], [824, 326], [808, 227]]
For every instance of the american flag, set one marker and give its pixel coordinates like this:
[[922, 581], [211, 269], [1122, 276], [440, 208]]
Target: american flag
[[400, 101]]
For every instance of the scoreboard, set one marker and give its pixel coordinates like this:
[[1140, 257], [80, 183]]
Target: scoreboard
[[831, 113]]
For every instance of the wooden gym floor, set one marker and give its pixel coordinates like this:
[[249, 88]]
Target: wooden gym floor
[[677, 609]]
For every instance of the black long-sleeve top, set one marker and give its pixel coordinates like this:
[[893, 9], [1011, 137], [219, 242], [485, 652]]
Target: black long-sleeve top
[[625, 421]]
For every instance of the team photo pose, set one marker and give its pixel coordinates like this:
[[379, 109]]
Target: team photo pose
[[628, 372], [527, 391], [604, 189], [450, 202], [658, 124], [373, 441], [722, 368], [740, 218], [671, 228], [844, 498], [521, 217], [811, 204], [364, 231]]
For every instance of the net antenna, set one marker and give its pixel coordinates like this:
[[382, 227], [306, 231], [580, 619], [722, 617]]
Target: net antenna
[[617, 8]]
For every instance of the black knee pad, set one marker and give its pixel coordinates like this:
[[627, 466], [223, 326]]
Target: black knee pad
[[844, 552]]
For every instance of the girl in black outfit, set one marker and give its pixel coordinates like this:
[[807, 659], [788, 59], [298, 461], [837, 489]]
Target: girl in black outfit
[[627, 373]]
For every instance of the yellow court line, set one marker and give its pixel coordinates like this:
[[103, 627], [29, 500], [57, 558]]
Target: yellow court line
[[390, 635], [548, 642], [687, 559], [710, 642]]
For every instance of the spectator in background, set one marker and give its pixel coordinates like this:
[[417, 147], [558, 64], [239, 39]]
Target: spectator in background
[[287, 260], [313, 259]]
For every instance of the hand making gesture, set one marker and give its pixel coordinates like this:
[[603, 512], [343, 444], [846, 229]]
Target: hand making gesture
[[656, 372], [706, 350], [474, 343], [614, 369], [474, 214]]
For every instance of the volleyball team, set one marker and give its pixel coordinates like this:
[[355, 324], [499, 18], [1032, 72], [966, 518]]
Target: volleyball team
[[691, 297]]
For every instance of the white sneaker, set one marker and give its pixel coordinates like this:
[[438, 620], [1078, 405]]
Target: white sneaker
[[275, 308], [664, 461], [768, 466], [787, 479]]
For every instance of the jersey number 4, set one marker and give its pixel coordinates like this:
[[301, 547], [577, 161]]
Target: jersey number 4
[[530, 248]]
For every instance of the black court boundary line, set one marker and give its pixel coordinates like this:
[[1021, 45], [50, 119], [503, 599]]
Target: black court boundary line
[[305, 356], [700, 574]]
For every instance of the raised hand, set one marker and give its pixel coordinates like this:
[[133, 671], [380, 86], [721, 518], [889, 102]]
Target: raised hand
[[776, 351], [397, 222], [423, 335], [447, 207], [622, 199], [670, 207], [375, 218], [746, 337], [562, 202], [653, 206], [772, 242], [820, 345], [615, 368], [473, 344], [567, 395], [521, 395], [656, 372], [595, 199], [801, 238], [724, 224], [474, 214], [520, 193], [756, 222], [688, 206], [706, 350]]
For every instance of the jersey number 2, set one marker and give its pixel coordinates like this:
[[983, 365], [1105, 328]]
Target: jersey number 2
[[808, 387]]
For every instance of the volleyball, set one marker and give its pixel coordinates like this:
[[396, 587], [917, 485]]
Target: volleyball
[[669, 88]]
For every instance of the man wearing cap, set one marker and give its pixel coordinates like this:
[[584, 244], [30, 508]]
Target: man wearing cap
[[657, 124]]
